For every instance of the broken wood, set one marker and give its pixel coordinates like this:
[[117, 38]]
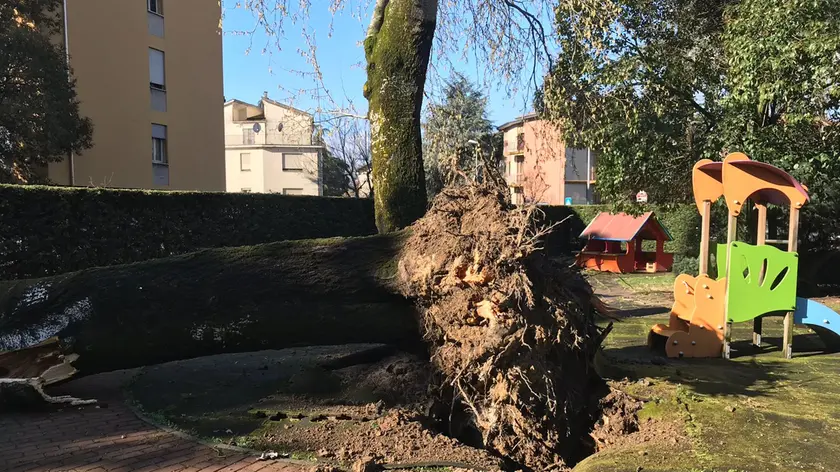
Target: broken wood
[[24, 374]]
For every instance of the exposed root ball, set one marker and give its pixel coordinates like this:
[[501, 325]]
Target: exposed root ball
[[511, 332]]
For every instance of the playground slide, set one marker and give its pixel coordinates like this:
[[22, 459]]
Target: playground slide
[[822, 319]]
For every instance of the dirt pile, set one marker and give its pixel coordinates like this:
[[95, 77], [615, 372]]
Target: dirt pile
[[511, 333]]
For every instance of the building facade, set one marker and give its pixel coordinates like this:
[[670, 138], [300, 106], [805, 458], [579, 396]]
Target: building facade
[[269, 148], [149, 75], [540, 168]]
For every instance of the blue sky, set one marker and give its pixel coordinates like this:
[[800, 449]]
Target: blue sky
[[340, 56]]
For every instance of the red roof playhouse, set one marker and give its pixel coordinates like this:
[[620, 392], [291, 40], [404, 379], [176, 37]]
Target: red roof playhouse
[[605, 235]]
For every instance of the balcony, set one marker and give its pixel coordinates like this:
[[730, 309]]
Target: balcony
[[516, 180], [291, 132], [514, 148], [273, 138]]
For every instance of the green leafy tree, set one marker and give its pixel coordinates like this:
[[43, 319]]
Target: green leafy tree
[[453, 133], [40, 122], [656, 85]]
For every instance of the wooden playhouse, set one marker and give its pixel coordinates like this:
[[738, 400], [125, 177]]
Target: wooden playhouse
[[614, 244]]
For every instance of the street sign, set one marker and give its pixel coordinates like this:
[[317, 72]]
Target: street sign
[[641, 197]]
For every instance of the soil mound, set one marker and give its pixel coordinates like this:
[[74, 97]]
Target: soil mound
[[512, 333]]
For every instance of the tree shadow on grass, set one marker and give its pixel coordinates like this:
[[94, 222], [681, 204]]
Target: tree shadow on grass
[[752, 371], [235, 394], [644, 311]]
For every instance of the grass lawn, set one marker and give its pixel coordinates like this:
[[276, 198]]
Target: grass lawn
[[756, 412], [637, 283]]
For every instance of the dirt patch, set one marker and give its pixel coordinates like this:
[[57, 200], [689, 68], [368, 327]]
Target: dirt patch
[[308, 403], [396, 438], [512, 333], [393, 428], [620, 426]]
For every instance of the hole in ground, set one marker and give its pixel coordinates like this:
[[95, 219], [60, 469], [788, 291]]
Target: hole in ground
[[456, 421]]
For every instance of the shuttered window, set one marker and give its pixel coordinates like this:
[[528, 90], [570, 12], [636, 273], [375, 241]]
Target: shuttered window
[[157, 76], [292, 162], [159, 155]]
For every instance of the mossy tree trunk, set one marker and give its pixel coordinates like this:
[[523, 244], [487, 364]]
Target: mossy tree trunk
[[273, 296], [398, 47]]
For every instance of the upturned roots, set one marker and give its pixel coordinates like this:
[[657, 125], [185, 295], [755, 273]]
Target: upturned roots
[[512, 333]]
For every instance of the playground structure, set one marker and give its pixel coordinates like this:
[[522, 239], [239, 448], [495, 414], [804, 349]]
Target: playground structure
[[754, 281], [607, 232]]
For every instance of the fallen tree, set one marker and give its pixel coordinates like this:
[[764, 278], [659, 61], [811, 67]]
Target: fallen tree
[[510, 333], [271, 296]]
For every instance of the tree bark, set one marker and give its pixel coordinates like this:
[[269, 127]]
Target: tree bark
[[272, 296], [398, 47]]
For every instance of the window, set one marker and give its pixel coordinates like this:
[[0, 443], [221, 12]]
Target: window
[[292, 191], [293, 162], [155, 24], [160, 157], [157, 80], [248, 136], [246, 190], [155, 6], [245, 161], [159, 145], [157, 77], [520, 141]]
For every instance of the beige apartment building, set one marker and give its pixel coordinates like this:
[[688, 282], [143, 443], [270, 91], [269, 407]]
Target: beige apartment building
[[540, 168], [149, 76], [269, 148]]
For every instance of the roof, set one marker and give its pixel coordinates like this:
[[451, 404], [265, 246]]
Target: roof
[[781, 177], [522, 119], [266, 100], [623, 227]]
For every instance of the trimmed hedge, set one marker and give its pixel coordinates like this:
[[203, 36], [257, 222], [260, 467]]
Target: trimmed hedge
[[52, 230]]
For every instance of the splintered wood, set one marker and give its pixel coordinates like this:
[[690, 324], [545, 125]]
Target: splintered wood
[[24, 374]]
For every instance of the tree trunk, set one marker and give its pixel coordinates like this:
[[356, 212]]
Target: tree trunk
[[271, 296], [397, 48]]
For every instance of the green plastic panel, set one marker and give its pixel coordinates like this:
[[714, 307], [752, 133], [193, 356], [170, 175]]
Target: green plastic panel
[[720, 260], [762, 279]]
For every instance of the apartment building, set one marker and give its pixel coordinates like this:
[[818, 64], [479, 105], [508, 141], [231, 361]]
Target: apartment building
[[149, 75], [540, 168], [269, 148]]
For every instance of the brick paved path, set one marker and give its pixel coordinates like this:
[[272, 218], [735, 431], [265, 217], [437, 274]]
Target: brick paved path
[[109, 439]]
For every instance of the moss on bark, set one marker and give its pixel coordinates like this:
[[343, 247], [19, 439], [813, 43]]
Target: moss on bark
[[397, 48], [270, 296]]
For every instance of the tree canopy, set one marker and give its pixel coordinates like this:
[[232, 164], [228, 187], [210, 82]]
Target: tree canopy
[[40, 122], [656, 85], [453, 131]]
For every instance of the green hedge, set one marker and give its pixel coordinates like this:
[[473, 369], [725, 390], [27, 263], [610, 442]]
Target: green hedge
[[52, 230]]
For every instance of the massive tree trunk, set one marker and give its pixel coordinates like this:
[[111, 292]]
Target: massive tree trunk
[[214, 301], [397, 48]]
